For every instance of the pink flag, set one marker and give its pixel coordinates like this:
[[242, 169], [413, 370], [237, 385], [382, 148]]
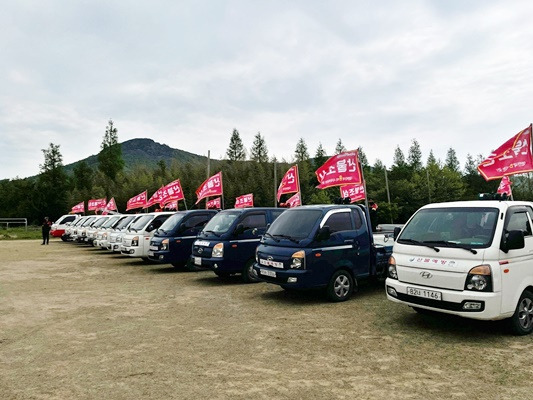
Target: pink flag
[[215, 203], [505, 186], [244, 201], [111, 206], [211, 187], [78, 208], [339, 170], [173, 205], [355, 192], [290, 182], [294, 201], [95, 204], [136, 201], [156, 198], [171, 192], [512, 157]]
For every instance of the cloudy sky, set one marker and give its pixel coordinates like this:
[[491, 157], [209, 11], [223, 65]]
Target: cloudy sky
[[185, 73]]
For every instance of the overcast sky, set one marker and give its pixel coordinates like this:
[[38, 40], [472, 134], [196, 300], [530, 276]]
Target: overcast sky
[[375, 74]]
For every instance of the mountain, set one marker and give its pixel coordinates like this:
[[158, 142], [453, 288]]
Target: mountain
[[145, 152]]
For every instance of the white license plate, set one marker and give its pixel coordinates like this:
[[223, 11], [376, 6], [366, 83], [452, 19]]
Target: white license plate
[[150, 254], [197, 260], [270, 263], [428, 294], [203, 243], [267, 272], [154, 248]]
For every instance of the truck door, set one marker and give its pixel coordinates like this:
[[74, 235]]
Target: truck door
[[253, 225], [186, 234]]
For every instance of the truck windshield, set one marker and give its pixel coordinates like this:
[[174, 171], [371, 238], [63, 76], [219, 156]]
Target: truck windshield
[[451, 227], [294, 224], [171, 223], [141, 222], [221, 222]]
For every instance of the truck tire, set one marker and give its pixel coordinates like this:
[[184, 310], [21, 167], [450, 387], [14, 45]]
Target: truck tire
[[521, 323], [340, 286], [248, 275], [179, 265]]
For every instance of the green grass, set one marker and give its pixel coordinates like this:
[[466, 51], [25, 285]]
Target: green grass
[[33, 232]]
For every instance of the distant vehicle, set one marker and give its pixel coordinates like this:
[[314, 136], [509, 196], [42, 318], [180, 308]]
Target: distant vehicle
[[473, 259], [93, 228], [227, 243], [114, 237], [70, 227], [172, 242], [102, 232], [80, 230], [58, 227], [136, 240], [321, 246]]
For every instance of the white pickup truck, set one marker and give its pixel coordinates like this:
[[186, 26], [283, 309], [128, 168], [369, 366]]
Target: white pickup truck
[[473, 259]]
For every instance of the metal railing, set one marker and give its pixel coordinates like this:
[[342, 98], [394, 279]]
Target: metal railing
[[19, 221]]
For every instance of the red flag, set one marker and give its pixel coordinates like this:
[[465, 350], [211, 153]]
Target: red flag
[[294, 201], [244, 201], [137, 201], [111, 206], [173, 205], [505, 186], [78, 208], [339, 170], [95, 204], [290, 182], [211, 187], [171, 192], [356, 192], [215, 203], [156, 198], [512, 157]]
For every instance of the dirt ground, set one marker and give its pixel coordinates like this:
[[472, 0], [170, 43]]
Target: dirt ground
[[80, 323]]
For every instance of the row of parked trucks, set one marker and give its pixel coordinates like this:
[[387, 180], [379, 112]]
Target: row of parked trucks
[[472, 259]]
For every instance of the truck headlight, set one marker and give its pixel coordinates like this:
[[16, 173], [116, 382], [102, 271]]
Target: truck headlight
[[164, 245], [256, 254], [393, 274], [218, 250], [298, 260], [479, 279], [135, 241]]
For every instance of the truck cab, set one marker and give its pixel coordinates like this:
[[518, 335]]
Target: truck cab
[[227, 243], [58, 227], [136, 240], [172, 242], [321, 246], [473, 259]]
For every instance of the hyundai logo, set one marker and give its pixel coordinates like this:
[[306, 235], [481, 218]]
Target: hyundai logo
[[270, 258], [200, 250], [426, 275]]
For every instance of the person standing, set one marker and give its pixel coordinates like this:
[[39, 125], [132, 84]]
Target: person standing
[[46, 226]]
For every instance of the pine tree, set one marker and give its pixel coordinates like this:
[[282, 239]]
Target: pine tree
[[399, 158], [414, 158], [431, 159], [362, 157], [301, 153], [339, 148], [235, 151], [83, 176], [52, 184], [320, 156], [110, 160], [451, 160], [259, 151]]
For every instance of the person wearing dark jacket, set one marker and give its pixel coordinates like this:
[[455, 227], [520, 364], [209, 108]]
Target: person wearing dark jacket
[[46, 226]]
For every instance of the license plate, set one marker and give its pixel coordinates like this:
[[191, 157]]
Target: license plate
[[203, 243], [154, 248], [197, 260], [428, 294], [150, 254], [267, 272], [270, 263]]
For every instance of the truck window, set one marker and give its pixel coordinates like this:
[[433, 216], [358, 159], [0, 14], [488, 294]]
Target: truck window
[[198, 221], [358, 222], [340, 221], [519, 221], [276, 214], [254, 221]]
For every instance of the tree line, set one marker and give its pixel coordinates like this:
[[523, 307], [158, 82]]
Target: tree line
[[412, 181]]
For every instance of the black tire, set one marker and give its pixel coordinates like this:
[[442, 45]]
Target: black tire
[[340, 286], [179, 265], [63, 238], [521, 323], [248, 275], [146, 260]]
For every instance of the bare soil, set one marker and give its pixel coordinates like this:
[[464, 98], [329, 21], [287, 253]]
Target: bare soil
[[81, 323]]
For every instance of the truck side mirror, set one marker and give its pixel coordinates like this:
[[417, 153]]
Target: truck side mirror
[[396, 232], [514, 240], [323, 233]]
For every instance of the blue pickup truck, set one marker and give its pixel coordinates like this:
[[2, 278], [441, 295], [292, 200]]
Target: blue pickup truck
[[172, 242], [321, 246], [227, 243]]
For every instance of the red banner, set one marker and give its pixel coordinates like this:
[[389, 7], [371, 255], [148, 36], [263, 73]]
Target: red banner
[[137, 201], [294, 201], [171, 192], [244, 201], [215, 203], [78, 208], [290, 182], [505, 186], [211, 187], [356, 192], [339, 170], [156, 198], [173, 205], [96, 204], [512, 157]]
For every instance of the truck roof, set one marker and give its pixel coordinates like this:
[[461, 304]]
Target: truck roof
[[481, 203]]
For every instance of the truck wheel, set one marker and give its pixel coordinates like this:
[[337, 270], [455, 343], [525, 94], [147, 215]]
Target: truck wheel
[[521, 322], [340, 286], [178, 265], [248, 275]]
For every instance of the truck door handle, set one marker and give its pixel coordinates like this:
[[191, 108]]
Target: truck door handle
[[349, 241]]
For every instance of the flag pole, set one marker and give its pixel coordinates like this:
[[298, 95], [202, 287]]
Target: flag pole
[[222, 184], [388, 193], [208, 172], [299, 188], [275, 191]]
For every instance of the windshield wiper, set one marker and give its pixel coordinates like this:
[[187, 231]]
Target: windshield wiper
[[451, 243], [269, 235], [287, 237], [413, 241], [213, 232]]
